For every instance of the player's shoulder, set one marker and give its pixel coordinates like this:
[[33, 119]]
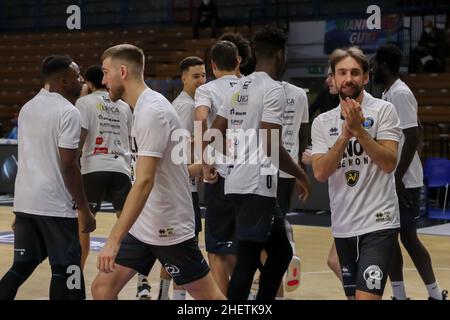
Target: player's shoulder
[[375, 104], [293, 89], [329, 115]]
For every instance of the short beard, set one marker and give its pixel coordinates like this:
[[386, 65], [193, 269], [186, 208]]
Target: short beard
[[354, 96], [117, 94]]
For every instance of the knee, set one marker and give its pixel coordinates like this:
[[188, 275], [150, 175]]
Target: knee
[[333, 262], [408, 238], [101, 290]]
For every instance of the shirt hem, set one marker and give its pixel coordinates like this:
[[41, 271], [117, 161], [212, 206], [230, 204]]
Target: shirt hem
[[165, 243], [46, 214], [365, 231]]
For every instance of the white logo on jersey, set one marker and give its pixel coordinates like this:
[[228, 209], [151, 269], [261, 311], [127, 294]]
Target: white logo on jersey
[[373, 276]]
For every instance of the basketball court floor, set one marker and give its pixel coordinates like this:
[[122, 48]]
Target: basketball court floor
[[313, 244]]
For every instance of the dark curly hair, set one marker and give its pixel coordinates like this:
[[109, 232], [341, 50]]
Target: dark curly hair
[[269, 41]]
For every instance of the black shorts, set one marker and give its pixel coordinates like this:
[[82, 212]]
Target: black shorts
[[365, 260], [198, 214], [219, 220], [408, 215], [256, 217], [106, 186], [284, 193], [38, 237], [183, 261]]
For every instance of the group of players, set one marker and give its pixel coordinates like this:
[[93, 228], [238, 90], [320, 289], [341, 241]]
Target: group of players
[[125, 132]]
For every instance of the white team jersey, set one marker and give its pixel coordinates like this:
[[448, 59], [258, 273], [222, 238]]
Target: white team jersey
[[256, 98], [405, 103], [295, 114], [46, 123], [184, 105], [362, 196], [107, 144], [168, 215], [211, 95]]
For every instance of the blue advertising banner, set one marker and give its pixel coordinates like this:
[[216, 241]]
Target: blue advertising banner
[[354, 32]]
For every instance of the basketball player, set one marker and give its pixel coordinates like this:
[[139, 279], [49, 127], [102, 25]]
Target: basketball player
[[105, 154], [355, 148], [48, 186], [193, 75], [157, 221], [219, 218], [408, 174], [258, 102], [105, 148]]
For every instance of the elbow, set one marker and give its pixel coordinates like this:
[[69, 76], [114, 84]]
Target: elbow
[[390, 167], [319, 175]]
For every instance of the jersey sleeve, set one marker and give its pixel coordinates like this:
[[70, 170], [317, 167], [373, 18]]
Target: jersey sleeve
[[274, 103], [203, 97], [69, 129], [406, 107], [152, 133], [319, 145], [81, 106], [389, 124], [303, 105], [224, 109]]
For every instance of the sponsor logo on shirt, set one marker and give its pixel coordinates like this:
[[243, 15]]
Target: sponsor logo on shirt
[[237, 113], [107, 109], [290, 101], [383, 216], [236, 122], [100, 150], [246, 84], [117, 142], [165, 232], [239, 99], [98, 140], [352, 177], [368, 123], [334, 132]]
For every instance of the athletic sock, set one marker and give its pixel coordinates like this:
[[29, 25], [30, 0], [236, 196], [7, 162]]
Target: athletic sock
[[434, 291], [164, 285], [398, 290], [179, 294]]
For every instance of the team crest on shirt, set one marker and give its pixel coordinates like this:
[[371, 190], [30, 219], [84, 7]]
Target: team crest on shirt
[[368, 123], [352, 177]]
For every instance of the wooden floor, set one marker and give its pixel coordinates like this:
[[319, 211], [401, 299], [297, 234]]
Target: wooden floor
[[313, 244]]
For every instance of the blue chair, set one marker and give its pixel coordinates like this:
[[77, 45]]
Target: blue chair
[[437, 175]]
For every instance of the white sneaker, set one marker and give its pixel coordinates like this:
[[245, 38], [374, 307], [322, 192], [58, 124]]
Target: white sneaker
[[143, 290], [292, 279]]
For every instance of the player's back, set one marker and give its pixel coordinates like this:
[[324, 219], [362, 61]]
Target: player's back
[[46, 123]]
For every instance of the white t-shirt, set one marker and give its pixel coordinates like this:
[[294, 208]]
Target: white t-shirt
[[256, 98], [405, 103], [168, 215], [107, 144], [46, 123], [211, 95], [362, 196], [184, 105], [295, 114]]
